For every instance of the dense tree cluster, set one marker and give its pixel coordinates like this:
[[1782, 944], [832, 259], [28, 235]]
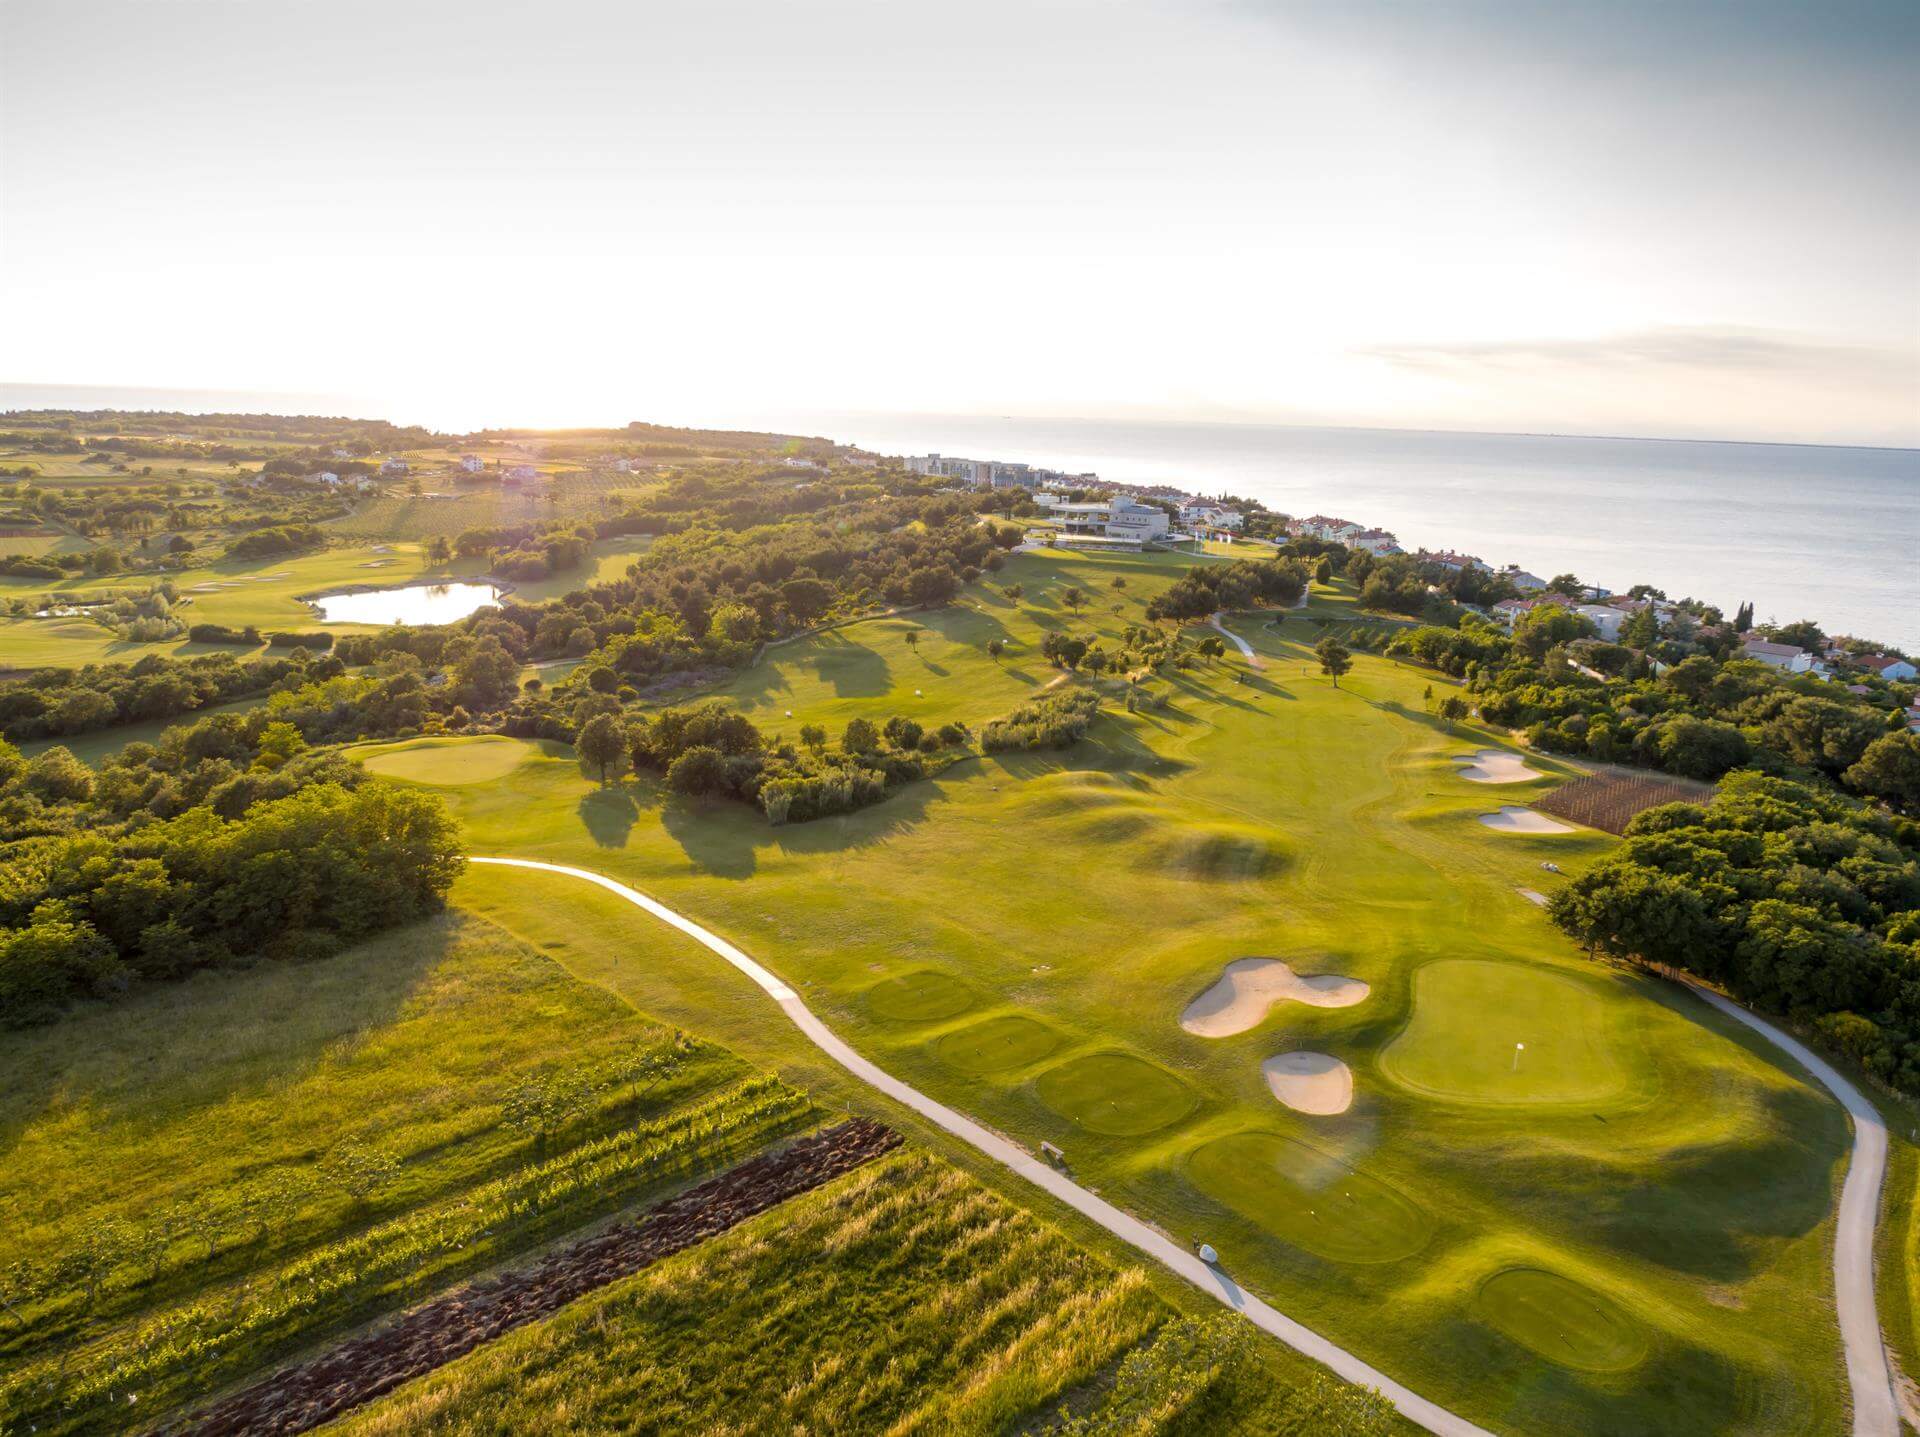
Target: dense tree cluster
[[1699, 717], [1243, 584], [56, 703], [227, 839], [711, 750], [277, 539], [1797, 899], [1056, 720]]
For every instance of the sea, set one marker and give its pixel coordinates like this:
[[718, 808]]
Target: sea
[[1803, 531], [1815, 532]]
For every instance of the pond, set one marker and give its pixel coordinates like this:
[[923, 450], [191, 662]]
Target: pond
[[415, 604]]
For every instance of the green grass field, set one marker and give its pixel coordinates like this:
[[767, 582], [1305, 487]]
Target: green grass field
[[208, 1176], [1645, 1150], [900, 1298]]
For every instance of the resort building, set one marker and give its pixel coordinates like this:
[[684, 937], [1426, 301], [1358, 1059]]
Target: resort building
[[393, 466], [1116, 518], [1377, 542], [472, 463]]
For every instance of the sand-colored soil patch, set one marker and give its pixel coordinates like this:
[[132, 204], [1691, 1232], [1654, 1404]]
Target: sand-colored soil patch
[[1533, 895], [1239, 1000], [1316, 1083], [1494, 765], [1522, 820]]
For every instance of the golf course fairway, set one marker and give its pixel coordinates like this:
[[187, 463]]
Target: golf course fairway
[[1094, 892]]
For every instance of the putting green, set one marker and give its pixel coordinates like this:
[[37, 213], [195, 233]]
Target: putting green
[[1309, 1198], [1470, 1018], [1009, 1041], [1116, 1094], [922, 996], [448, 761], [1562, 1320]]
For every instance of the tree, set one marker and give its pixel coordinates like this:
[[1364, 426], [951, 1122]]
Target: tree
[[1453, 708], [1568, 584], [1743, 618], [1323, 571], [913, 638], [996, 647], [813, 736], [601, 743], [439, 551], [1212, 647], [1014, 591], [1890, 769], [1334, 660], [700, 770], [1073, 596], [860, 736]]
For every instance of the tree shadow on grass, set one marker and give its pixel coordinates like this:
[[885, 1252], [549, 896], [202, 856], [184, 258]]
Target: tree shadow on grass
[[851, 670], [137, 1054], [724, 837], [609, 815]]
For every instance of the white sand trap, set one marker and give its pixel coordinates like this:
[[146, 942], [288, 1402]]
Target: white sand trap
[[1532, 896], [1522, 820], [1494, 765], [1310, 1082], [1250, 986]]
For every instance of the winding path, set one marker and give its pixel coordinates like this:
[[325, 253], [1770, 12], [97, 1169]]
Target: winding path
[[1122, 1225], [1874, 1410], [1253, 659]]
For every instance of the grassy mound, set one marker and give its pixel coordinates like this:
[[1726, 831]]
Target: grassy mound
[[923, 996], [1309, 1198], [998, 1044], [1220, 855], [444, 762], [1468, 1017], [1116, 1094], [1562, 1320]]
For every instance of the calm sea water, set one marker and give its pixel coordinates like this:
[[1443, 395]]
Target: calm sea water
[[1804, 531]]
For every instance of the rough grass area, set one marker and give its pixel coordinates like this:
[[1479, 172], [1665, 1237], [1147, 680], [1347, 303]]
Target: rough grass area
[[1609, 798], [902, 1298], [207, 1175]]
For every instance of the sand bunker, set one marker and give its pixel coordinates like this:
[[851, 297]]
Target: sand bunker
[[1532, 896], [1250, 986], [1522, 820], [1310, 1082], [1494, 765]]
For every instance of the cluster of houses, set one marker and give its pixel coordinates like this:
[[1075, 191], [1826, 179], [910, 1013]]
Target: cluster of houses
[[1329, 530], [996, 473]]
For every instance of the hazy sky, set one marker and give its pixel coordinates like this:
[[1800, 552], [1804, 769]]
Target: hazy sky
[[1652, 218]]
